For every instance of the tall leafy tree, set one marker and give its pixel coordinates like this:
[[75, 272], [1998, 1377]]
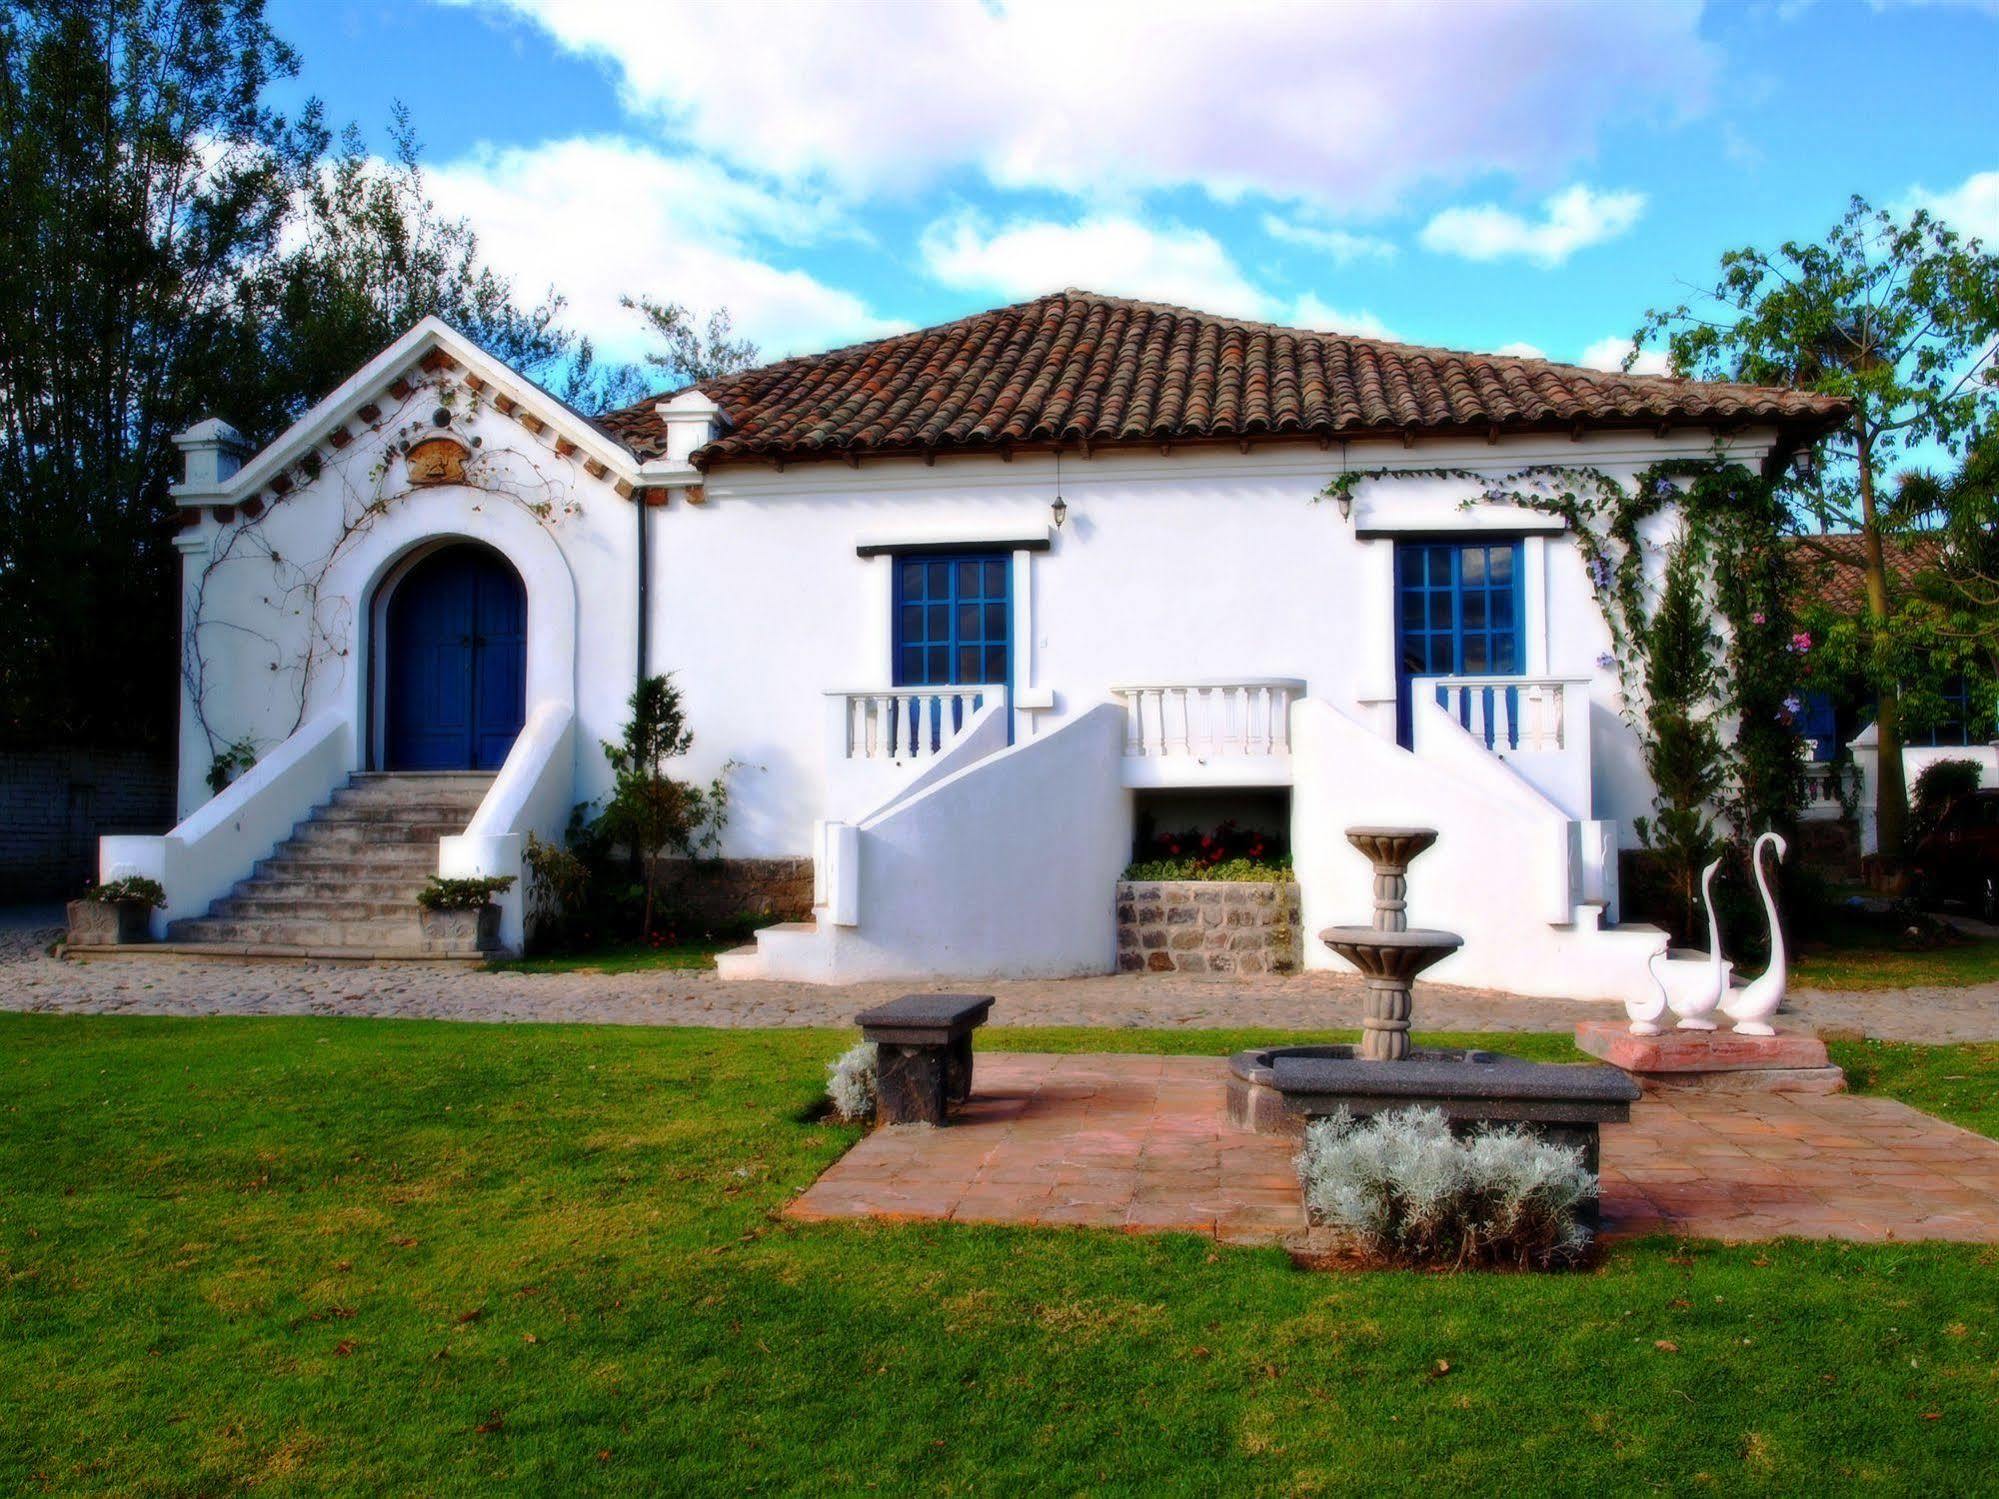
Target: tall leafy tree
[[177, 249], [1961, 592], [368, 255], [1900, 317], [141, 175]]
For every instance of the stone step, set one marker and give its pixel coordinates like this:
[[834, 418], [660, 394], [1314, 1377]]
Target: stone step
[[250, 952], [331, 863], [375, 834], [391, 813], [264, 906], [310, 887], [405, 935], [345, 882]]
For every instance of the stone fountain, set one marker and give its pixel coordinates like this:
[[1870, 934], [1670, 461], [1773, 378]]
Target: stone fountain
[[1279, 1090]]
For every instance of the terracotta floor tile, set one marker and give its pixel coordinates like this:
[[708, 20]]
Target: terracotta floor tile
[[1144, 1143]]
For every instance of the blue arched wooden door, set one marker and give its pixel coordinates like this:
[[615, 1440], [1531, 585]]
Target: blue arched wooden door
[[456, 657]]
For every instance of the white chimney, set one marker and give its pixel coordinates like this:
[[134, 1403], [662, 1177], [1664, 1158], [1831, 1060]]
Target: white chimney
[[692, 421], [211, 453]]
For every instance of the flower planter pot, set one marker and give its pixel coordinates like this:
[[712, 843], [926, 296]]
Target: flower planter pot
[[109, 923], [462, 931]]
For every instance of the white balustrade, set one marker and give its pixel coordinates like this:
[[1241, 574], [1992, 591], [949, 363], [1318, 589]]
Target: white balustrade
[[1208, 724], [1822, 802], [1510, 714], [904, 724]]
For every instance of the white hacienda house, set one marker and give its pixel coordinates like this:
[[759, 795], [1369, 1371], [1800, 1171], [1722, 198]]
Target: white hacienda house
[[962, 605]]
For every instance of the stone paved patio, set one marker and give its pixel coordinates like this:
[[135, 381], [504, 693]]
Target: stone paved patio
[[1142, 1143], [30, 980]]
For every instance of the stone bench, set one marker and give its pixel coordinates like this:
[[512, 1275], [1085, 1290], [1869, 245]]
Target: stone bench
[[923, 1054]]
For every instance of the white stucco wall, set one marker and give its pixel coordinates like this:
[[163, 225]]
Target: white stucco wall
[[1205, 563], [313, 572]]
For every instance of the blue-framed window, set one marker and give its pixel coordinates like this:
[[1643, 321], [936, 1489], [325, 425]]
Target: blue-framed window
[[1458, 613], [1957, 726], [953, 620]]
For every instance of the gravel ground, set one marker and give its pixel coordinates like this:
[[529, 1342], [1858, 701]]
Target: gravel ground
[[32, 980]]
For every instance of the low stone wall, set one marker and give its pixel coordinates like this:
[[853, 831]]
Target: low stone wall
[[1208, 926], [718, 890]]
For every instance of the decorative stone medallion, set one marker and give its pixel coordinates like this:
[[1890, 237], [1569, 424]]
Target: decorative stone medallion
[[437, 460]]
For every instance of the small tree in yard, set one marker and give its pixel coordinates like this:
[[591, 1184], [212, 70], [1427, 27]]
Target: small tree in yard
[[650, 812], [1900, 318], [1684, 752]]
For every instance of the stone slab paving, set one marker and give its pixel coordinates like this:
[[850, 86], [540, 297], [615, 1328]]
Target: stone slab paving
[[1093, 1141], [31, 980], [1143, 1143]]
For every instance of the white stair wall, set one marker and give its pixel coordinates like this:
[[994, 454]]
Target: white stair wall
[[1002, 869], [1504, 873]]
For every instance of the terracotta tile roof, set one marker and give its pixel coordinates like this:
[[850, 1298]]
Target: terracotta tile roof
[[1831, 569], [1078, 368]]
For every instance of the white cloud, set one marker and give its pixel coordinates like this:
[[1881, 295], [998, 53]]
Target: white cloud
[[1573, 219], [1107, 253], [1972, 207], [1608, 353], [1341, 246], [1338, 105], [1522, 350], [1121, 256], [1310, 311], [599, 217]]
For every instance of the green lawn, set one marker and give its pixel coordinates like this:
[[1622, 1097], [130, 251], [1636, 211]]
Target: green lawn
[[394, 1256], [1865, 962], [627, 957], [1958, 1083]]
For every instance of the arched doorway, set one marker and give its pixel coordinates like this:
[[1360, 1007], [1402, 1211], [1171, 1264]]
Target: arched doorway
[[455, 657]]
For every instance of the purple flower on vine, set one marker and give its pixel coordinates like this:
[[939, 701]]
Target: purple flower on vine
[[1600, 572], [1793, 706], [1605, 661], [1758, 619]]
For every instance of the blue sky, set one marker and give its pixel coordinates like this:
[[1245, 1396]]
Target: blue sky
[[1531, 174]]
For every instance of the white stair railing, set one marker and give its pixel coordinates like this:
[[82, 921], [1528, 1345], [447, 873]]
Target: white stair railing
[[1510, 713], [903, 724], [1247, 716]]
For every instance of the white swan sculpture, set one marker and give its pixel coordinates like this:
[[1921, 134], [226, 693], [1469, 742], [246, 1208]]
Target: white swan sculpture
[[1691, 986], [1648, 1009], [1751, 1007]]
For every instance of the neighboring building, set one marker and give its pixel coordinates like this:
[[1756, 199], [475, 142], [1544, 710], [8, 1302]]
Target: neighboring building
[[1831, 571], [960, 607]]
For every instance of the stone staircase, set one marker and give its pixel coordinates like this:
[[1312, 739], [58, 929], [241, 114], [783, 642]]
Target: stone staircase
[[344, 884]]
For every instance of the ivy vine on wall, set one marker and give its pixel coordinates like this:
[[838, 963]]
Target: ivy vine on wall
[[1730, 694], [297, 588]]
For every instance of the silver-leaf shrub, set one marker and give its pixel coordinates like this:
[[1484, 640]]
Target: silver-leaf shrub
[[850, 1081], [1401, 1187]]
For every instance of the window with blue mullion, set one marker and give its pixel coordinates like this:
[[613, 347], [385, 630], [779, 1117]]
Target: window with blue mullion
[[1458, 615], [953, 625]]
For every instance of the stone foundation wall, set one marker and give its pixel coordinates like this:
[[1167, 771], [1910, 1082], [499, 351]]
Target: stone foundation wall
[[717, 890], [1208, 926]]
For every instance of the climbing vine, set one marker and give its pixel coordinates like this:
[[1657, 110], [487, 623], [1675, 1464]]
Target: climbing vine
[[296, 589], [1731, 526]]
